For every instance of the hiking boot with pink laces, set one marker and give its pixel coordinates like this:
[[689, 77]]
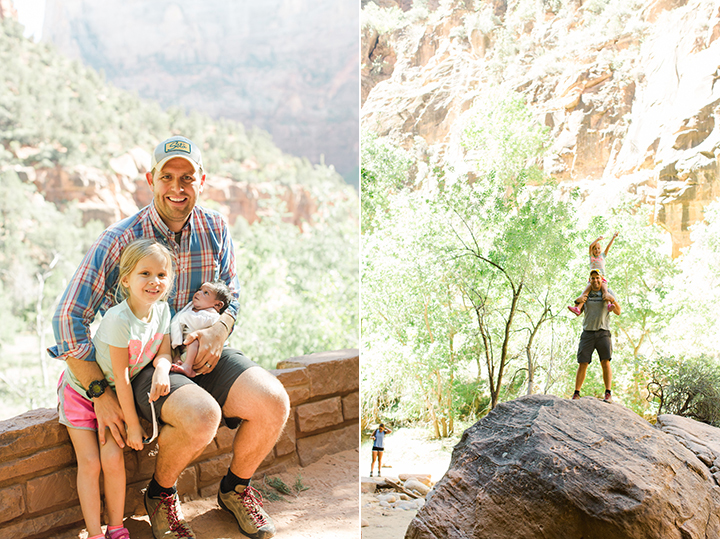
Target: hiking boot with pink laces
[[246, 504], [166, 517]]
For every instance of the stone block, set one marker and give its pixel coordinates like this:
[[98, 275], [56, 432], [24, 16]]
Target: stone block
[[145, 462], [135, 499], [214, 469], [12, 503], [224, 438], [331, 373], [187, 483], [313, 448], [62, 455], [286, 442], [315, 416], [29, 432], [292, 376], [52, 489], [351, 406], [43, 525], [298, 394]]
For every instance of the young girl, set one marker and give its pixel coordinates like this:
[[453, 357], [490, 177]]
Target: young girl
[[131, 335], [597, 262]]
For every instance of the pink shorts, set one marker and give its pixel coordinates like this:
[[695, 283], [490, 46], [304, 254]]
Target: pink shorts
[[76, 411]]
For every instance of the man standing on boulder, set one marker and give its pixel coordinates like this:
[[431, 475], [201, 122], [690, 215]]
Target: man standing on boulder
[[596, 335], [228, 387]]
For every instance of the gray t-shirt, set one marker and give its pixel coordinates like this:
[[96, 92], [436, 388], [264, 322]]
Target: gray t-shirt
[[596, 314]]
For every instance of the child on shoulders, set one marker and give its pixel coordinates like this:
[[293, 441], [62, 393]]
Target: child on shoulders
[[597, 262]]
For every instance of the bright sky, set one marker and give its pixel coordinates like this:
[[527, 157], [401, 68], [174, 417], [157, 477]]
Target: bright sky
[[31, 14]]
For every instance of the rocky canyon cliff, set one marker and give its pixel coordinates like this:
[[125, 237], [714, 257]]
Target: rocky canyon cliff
[[289, 67], [627, 90]]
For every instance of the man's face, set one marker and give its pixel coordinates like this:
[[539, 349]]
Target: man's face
[[595, 282], [175, 191]]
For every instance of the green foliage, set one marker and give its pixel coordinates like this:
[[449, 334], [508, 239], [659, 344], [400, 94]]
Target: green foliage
[[384, 172], [688, 387], [299, 288], [299, 486]]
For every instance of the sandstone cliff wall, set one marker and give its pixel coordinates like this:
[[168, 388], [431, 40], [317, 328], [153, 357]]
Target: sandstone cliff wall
[[38, 470], [630, 95]]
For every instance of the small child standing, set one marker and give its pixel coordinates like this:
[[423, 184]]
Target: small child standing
[[203, 311], [131, 335], [597, 262]]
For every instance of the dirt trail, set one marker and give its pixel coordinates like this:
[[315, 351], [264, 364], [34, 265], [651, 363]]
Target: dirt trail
[[406, 451], [327, 510]]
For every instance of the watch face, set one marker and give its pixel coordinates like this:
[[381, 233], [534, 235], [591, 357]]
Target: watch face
[[96, 388]]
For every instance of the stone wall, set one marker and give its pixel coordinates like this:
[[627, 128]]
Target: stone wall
[[38, 470]]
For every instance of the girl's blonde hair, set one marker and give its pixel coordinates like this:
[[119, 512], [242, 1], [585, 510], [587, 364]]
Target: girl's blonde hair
[[133, 253]]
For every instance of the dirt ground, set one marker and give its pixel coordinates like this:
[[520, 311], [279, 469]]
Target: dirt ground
[[327, 510], [406, 451]]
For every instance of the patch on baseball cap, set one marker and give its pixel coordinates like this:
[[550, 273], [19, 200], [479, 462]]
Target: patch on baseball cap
[[176, 147]]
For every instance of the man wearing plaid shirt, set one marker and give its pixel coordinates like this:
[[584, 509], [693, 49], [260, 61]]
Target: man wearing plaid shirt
[[232, 388]]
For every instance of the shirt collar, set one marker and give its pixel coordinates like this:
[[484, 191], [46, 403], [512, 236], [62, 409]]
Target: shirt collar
[[160, 225]]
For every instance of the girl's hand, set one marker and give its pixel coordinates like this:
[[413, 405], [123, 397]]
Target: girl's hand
[[135, 436], [616, 234], [160, 384]]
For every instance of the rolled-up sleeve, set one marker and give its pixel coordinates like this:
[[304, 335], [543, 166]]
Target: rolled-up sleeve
[[87, 293]]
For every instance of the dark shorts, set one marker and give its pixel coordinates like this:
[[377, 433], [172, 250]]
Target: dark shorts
[[231, 365], [600, 340], [378, 448]]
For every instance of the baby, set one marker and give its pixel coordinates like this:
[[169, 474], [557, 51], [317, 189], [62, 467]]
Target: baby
[[202, 312]]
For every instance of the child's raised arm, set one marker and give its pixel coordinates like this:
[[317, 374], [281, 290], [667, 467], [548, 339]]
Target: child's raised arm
[[611, 242], [593, 244], [121, 370]]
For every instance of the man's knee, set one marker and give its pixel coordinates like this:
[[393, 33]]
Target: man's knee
[[258, 394], [192, 410]]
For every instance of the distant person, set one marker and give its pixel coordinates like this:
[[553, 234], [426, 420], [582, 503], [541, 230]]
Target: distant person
[[596, 335], [597, 262], [202, 312], [131, 335], [378, 438], [232, 388]]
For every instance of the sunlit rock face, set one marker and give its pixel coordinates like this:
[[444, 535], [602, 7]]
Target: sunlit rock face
[[631, 102], [289, 67], [541, 466]]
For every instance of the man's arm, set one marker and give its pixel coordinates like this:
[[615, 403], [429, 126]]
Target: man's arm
[[71, 325], [212, 339], [107, 408]]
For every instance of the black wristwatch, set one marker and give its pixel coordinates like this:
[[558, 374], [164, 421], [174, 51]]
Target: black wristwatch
[[96, 388]]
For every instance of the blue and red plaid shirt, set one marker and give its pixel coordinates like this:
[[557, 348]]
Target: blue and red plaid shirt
[[205, 253]]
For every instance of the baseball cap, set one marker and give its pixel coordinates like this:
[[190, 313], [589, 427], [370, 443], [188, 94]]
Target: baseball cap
[[595, 271], [176, 147]]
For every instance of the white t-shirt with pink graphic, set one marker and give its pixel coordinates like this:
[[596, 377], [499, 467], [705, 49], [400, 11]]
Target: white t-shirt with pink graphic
[[122, 329]]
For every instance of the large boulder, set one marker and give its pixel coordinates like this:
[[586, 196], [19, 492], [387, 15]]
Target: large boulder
[[545, 467]]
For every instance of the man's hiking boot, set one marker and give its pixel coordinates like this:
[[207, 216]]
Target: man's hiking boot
[[608, 397], [166, 517], [576, 396], [246, 505]]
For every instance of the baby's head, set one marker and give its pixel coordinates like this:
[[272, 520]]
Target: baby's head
[[145, 269], [212, 295]]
